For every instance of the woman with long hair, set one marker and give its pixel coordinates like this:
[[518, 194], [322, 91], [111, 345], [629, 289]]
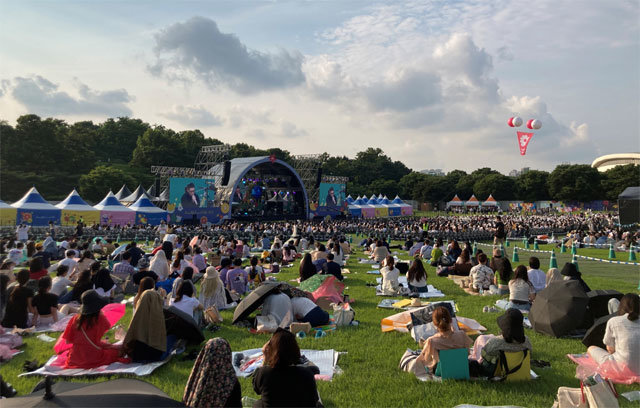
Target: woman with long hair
[[36, 269], [417, 277], [390, 274], [255, 271], [145, 284], [178, 263], [621, 336], [84, 333], [45, 304], [307, 268], [503, 276], [146, 338], [521, 292], [19, 304], [186, 301], [159, 265], [102, 282], [281, 381]]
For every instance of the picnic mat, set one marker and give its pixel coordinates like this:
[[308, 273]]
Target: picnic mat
[[138, 369], [58, 326], [326, 360], [432, 292]]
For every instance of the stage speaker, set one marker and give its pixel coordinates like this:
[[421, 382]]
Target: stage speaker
[[158, 187], [319, 178], [227, 173]]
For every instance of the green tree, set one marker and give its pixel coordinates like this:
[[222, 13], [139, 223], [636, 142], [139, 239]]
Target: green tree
[[532, 186], [575, 182], [117, 139], [158, 146], [95, 185], [389, 188], [498, 185], [80, 143], [616, 179]]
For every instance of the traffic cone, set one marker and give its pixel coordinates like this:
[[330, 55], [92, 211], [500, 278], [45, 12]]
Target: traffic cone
[[632, 255], [502, 250], [574, 261], [535, 245], [475, 248], [118, 240], [563, 249], [506, 242], [526, 243], [574, 249], [612, 253], [553, 262], [515, 257]]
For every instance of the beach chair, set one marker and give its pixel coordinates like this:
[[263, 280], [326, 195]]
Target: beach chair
[[514, 366], [453, 364]]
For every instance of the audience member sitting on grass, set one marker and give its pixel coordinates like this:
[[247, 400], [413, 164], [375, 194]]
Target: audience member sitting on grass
[[46, 256], [437, 252], [331, 267], [453, 251], [307, 269], [511, 339], [85, 261], [425, 250], [124, 269], [84, 332], [481, 275], [145, 284], [4, 283], [19, 303], [281, 382], [338, 255], [621, 336], [502, 277], [255, 271], [536, 276], [160, 266], [186, 301], [553, 275], [390, 274], [304, 310], [380, 252], [36, 270], [417, 277], [45, 304], [319, 253], [70, 263], [213, 381], [445, 339], [237, 278], [212, 291], [521, 292], [146, 339], [187, 276], [60, 282], [570, 272], [103, 284], [143, 271], [461, 267]]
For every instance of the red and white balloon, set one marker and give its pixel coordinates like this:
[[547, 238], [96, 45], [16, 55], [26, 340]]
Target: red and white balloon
[[515, 121], [534, 124]]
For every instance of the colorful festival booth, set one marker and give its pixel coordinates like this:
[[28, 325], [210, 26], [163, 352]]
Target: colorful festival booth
[[490, 202], [123, 193], [7, 214], [74, 208], [133, 197], [405, 209], [381, 211], [112, 212], [394, 210], [32, 209], [472, 201], [455, 202], [146, 212]]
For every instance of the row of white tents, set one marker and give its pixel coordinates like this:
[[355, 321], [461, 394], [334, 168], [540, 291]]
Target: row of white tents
[[379, 206], [472, 202]]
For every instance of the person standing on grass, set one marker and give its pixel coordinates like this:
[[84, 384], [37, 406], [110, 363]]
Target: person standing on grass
[[499, 233]]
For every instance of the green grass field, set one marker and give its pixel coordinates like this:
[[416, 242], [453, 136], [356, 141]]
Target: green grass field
[[371, 376]]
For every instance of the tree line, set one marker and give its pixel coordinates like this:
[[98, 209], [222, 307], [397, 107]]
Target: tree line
[[56, 156]]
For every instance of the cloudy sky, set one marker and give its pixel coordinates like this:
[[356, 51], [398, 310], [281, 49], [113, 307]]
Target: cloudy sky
[[432, 83]]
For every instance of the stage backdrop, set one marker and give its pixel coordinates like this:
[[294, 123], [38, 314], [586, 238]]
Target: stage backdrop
[[191, 200]]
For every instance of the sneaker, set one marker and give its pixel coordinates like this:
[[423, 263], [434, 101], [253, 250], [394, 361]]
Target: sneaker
[[485, 309]]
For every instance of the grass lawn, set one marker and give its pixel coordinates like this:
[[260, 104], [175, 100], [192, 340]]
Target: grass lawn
[[371, 376]]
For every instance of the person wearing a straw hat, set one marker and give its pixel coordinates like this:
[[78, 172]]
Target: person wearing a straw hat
[[84, 335], [212, 290]]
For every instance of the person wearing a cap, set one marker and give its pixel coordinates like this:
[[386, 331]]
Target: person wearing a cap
[[84, 333], [143, 271], [511, 339]]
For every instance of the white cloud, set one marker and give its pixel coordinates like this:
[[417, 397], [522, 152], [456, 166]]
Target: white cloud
[[192, 115]]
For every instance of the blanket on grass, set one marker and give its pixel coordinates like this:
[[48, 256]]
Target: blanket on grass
[[431, 293], [612, 370], [326, 360]]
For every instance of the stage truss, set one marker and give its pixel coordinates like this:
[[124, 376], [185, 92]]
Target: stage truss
[[307, 166]]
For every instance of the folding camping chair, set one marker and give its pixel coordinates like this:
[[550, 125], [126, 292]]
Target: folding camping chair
[[514, 366], [453, 364]]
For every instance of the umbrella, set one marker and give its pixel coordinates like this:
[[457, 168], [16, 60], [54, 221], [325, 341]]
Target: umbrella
[[313, 283], [182, 325], [253, 300], [595, 334], [559, 308], [599, 301], [123, 392]]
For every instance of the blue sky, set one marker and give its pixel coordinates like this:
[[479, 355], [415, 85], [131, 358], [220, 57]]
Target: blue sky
[[430, 82]]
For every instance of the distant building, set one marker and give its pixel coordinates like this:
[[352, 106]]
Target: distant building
[[433, 172], [516, 173], [609, 161]]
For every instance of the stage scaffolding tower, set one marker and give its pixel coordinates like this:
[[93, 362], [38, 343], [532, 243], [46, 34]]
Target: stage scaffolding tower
[[307, 166]]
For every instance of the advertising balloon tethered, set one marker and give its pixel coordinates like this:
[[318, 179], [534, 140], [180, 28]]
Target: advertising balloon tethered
[[524, 137]]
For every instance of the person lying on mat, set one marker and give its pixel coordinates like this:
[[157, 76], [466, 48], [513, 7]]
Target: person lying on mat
[[281, 382], [304, 310], [417, 277], [213, 381], [512, 338], [390, 274], [521, 292], [85, 330], [621, 336], [445, 339]]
